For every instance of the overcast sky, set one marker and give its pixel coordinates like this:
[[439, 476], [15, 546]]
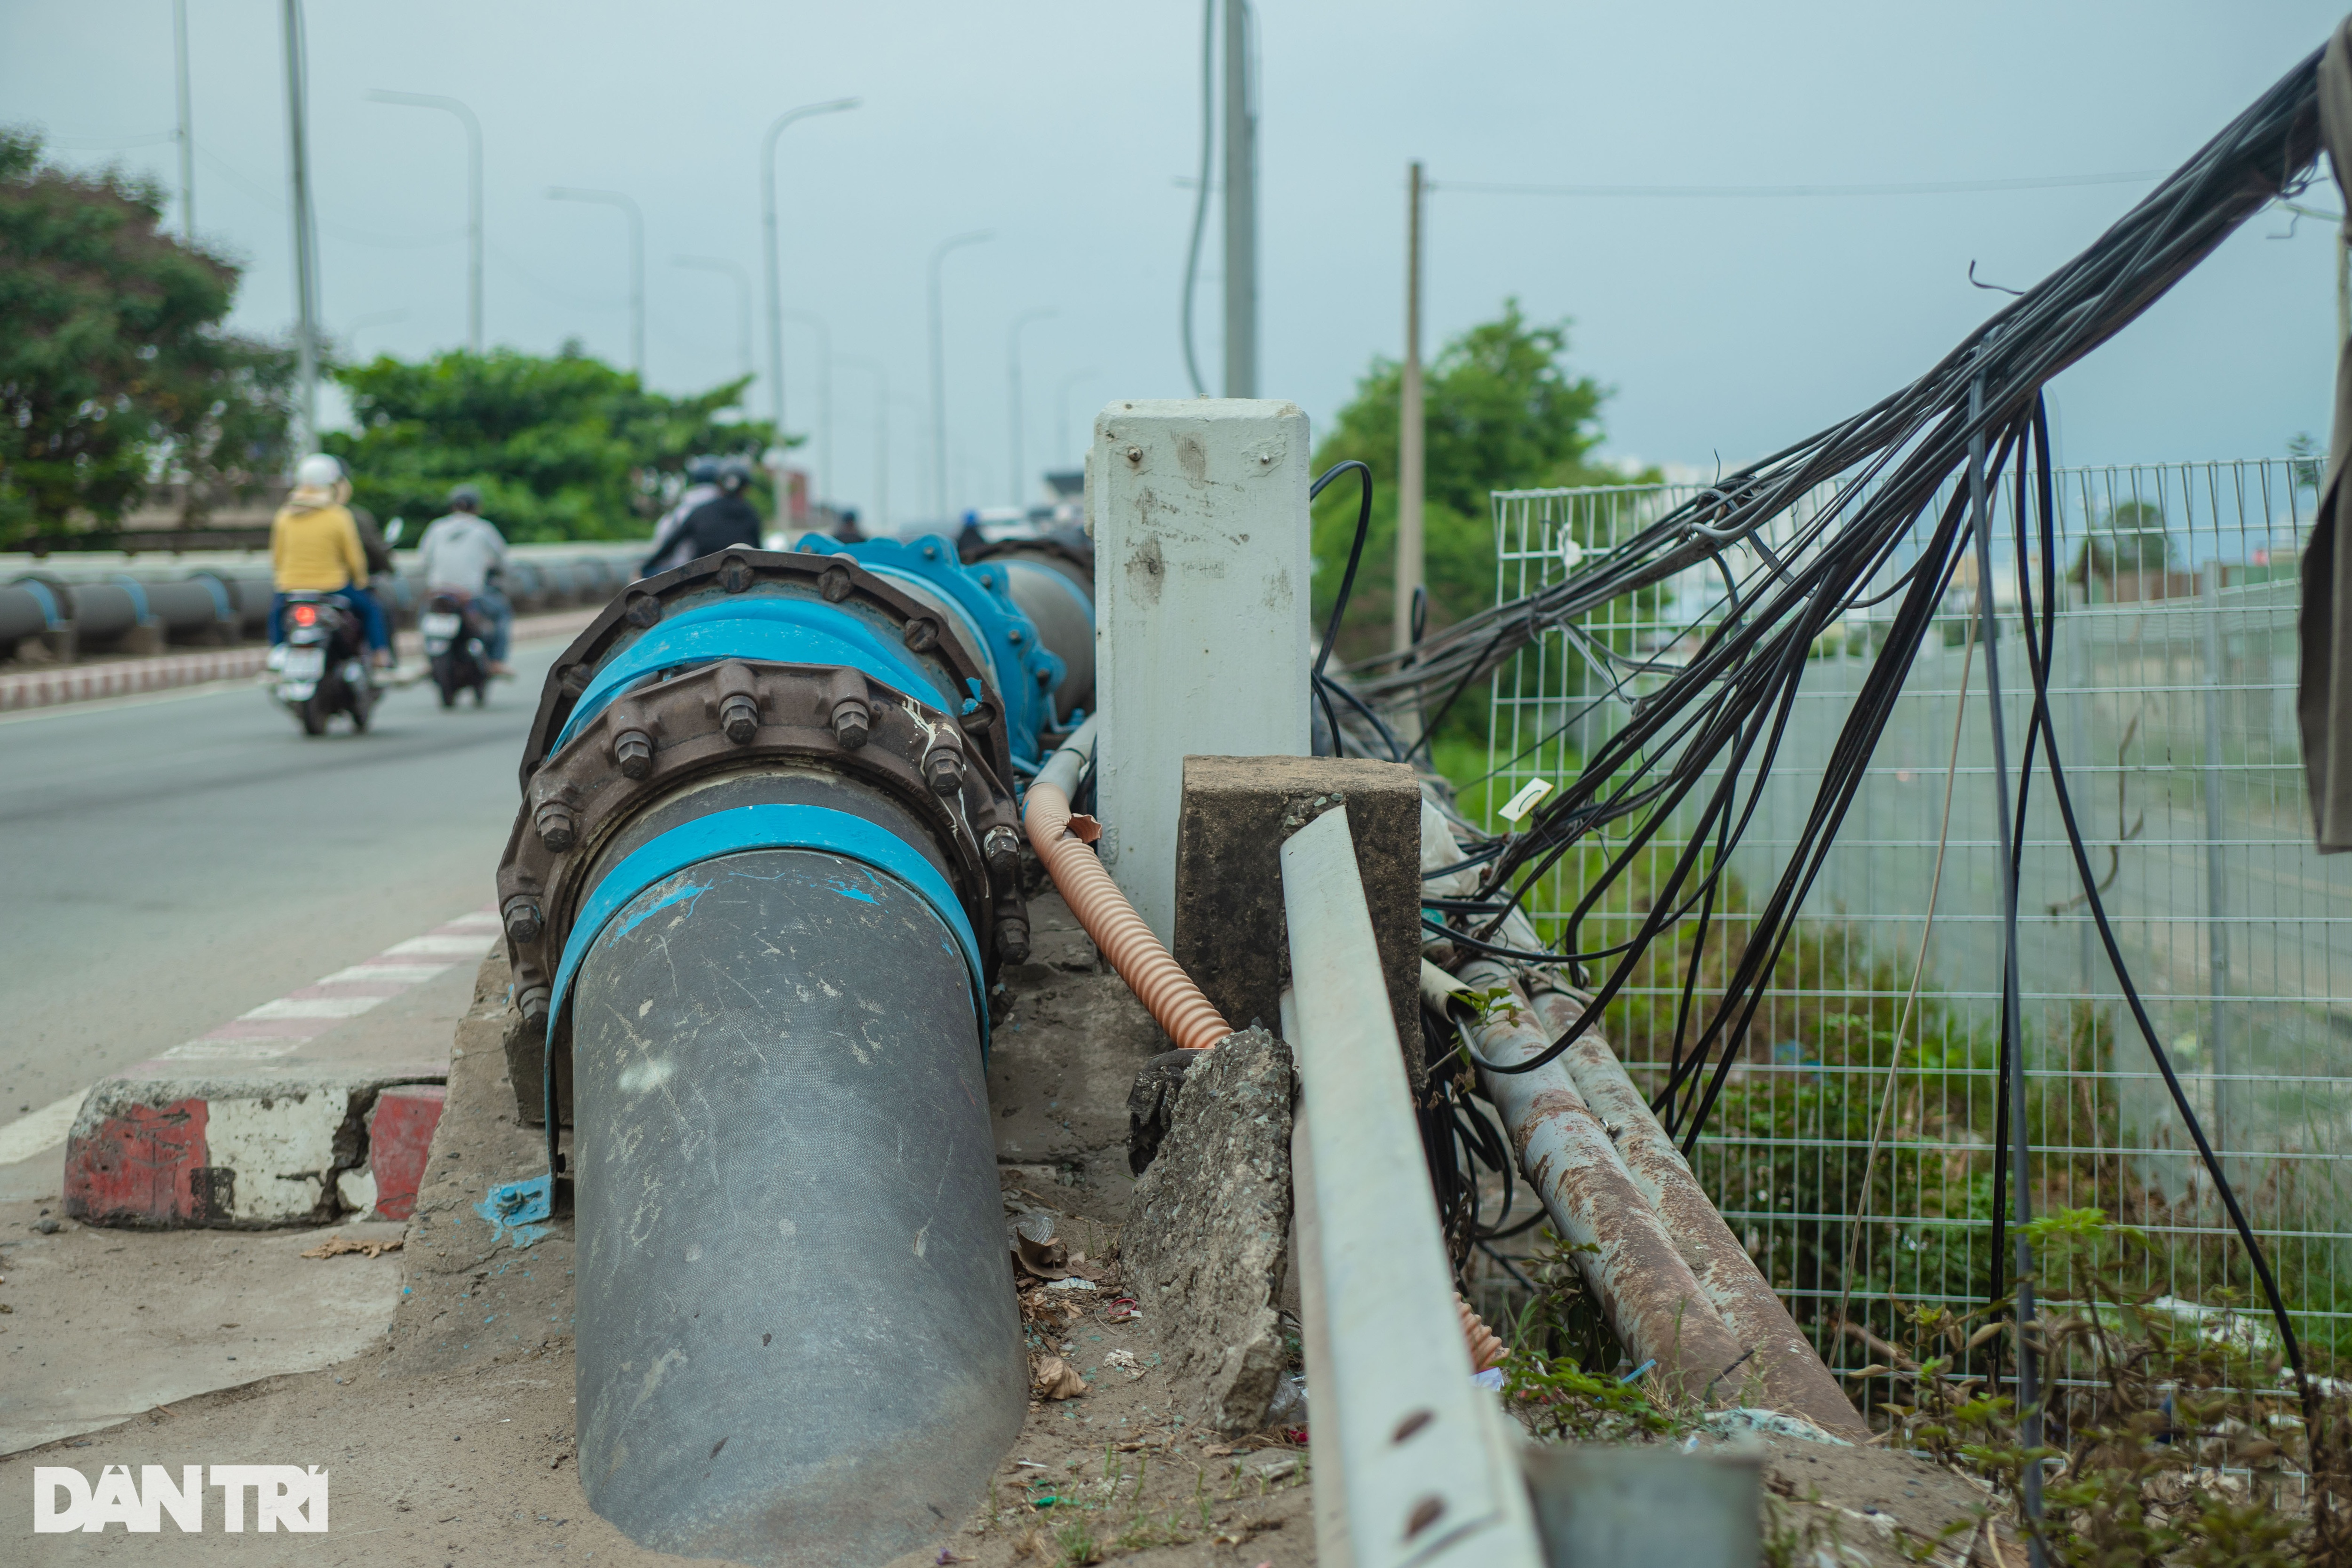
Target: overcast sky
[[1727, 327]]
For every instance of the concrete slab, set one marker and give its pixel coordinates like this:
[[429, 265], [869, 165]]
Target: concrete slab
[[102, 1326]]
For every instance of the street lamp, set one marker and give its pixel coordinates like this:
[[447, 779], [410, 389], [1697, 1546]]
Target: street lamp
[[1062, 409], [768, 217], [742, 299], [939, 371], [824, 389], [1012, 378], [881, 439], [636, 261], [473, 198]]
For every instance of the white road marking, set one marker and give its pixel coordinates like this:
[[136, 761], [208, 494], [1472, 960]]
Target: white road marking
[[28, 1135], [314, 1007], [468, 935]]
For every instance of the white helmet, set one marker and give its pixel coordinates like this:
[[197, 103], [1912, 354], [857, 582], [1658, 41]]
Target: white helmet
[[319, 471]]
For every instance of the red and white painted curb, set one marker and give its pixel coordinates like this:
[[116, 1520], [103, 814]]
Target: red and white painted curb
[[129, 677], [124, 678], [238, 1127]]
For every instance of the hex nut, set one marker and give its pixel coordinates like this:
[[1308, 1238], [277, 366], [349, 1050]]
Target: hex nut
[[558, 830], [852, 721], [634, 751], [739, 717]]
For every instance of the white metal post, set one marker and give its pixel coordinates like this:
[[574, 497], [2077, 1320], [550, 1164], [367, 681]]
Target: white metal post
[[1241, 205], [2217, 886], [187, 133], [1200, 610], [306, 252]]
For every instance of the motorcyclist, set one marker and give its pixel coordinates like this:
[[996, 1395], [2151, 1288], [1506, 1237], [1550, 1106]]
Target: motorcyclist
[[314, 547], [701, 485], [464, 553], [725, 521]]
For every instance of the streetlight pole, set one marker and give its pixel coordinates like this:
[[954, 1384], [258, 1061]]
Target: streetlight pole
[[881, 439], [636, 261], [1062, 411], [1012, 378], [306, 252], [824, 390], [187, 137], [743, 300], [473, 198], [940, 371], [768, 219]]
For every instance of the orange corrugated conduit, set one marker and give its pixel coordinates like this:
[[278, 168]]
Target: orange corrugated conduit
[[1060, 839]]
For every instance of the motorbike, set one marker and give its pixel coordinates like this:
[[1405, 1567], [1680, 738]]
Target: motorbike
[[322, 665], [455, 636]]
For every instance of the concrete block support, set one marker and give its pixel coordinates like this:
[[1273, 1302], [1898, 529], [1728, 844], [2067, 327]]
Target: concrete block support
[[1200, 621], [1235, 814]]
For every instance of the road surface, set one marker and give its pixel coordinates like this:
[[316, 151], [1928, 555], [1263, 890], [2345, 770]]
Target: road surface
[[170, 861]]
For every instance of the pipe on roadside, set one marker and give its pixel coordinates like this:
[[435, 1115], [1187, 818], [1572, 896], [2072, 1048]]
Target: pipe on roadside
[[1794, 1378], [1167, 993], [1653, 1301]]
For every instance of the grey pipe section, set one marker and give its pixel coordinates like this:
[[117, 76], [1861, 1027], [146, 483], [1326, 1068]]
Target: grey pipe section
[[798, 1338], [22, 614], [1069, 759], [1049, 592], [1794, 1378], [1653, 1301]]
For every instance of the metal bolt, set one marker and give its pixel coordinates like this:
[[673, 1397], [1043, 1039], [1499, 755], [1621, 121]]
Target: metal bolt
[[557, 827], [644, 610], [1013, 941], [739, 717], [634, 750], [1014, 635], [922, 634], [735, 574], [1135, 453], [835, 584], [852, 723], [532, 1000], [523, 922], [1002, 848], [943, 770]]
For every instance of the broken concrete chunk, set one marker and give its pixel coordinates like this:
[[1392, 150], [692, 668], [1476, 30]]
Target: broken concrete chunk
[[1207, 1228]]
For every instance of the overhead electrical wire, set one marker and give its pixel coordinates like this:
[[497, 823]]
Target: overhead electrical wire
[[1873, 510]]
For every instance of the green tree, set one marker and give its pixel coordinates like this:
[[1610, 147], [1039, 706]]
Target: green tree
[[1500, 412], [2132, 537], [114, 369], [562, 447]]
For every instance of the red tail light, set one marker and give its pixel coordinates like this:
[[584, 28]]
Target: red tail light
[[306, 615]]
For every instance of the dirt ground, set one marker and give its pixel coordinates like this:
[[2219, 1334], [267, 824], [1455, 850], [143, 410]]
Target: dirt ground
[[451, 1440]]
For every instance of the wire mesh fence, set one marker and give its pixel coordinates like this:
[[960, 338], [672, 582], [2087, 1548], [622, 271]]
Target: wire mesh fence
[[1854, 1142]]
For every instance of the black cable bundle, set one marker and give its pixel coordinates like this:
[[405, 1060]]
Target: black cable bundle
[[1716, 722]]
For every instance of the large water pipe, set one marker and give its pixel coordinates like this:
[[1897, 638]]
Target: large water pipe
[[765, 867]]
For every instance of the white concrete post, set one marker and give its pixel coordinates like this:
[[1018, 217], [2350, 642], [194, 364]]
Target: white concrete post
[[1202, 583]]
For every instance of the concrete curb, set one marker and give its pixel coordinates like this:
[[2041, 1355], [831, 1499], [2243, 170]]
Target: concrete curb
[[128, 677], [250, 1151]]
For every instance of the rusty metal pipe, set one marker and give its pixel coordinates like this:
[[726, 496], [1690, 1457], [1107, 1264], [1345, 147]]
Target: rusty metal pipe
[[1653, 1303], [1167, 993], [1794, 1378]]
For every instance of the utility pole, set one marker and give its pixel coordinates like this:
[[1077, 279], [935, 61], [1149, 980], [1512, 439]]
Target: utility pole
[[1013, 379], [1241, 207], [768, 221], [306, 253], [187, 124], [473, 198], [940, 374], [628, 204], [1411, 429], [823, 395]]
